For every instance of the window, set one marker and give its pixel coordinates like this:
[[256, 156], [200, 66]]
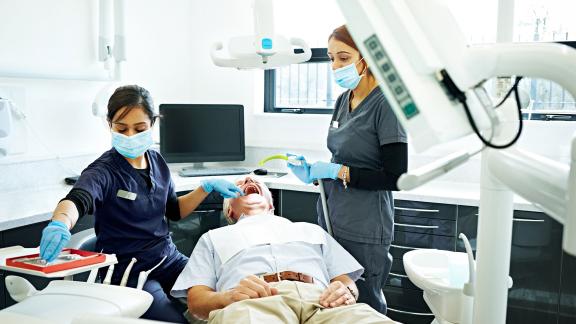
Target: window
[[546, 20], [302, 88], [533, 21], [306, 87]]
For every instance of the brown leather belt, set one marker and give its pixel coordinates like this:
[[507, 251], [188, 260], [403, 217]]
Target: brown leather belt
[[287, 275]]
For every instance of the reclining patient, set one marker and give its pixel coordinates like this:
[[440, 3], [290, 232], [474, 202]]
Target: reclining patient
[[266, 269]]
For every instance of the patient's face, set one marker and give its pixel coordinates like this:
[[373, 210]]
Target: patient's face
[[255, 200]]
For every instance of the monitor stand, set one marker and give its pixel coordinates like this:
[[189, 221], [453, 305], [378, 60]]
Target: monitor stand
[[199, 170], [195, 166]]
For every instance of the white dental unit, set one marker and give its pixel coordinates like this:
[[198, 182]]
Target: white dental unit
[[62, 301], [433, 81]]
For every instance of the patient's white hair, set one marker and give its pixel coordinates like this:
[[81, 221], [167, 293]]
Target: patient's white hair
[[227, 204]]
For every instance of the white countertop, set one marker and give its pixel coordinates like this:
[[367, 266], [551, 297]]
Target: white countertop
[[24, 207]]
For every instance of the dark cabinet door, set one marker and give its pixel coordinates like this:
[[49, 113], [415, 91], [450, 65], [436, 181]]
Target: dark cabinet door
[[27, 236], [2, 291], [298, 206], [208, 215], [534, 264], [568, 290], [407, 306], [416, 225]]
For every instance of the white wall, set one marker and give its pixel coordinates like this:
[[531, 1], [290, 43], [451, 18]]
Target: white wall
[[167, 53]]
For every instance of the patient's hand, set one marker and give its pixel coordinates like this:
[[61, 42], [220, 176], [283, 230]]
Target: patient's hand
[[336, 294], [250, 287]]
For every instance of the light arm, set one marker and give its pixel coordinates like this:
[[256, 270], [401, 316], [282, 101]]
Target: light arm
[[66, 212], [348, 283], [202, 300]]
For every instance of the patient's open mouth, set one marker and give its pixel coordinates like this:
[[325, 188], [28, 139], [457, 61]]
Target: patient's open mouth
[[251, 188]]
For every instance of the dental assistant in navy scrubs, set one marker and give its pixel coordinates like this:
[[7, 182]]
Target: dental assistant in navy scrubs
[[369, 153], [130, 192]]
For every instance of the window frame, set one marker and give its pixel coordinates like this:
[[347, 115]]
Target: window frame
[[319, 55], [551, 114]]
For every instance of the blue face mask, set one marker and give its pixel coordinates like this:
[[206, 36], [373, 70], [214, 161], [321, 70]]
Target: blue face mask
[[347, 76], [132, 146]]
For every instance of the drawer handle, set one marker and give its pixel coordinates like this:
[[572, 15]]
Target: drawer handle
[[404, 247], [409, 313], [418, 210], [526, 220], [204, 211], [398, 275], [417, 226]]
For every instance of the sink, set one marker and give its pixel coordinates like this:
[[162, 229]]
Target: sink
[[437, 270], [441, 275]]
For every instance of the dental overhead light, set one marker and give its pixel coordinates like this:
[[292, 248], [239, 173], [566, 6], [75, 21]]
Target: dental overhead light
[[264, 49]]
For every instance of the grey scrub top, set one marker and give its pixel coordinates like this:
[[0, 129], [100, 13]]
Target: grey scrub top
[[355, 139]]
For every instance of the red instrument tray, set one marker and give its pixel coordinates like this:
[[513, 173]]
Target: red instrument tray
[[28, 261]]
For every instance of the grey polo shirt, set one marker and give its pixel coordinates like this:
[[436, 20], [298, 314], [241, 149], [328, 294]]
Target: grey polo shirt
[[355, 138]]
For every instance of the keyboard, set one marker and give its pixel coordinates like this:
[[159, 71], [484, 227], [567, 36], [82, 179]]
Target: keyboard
[[191, 172]]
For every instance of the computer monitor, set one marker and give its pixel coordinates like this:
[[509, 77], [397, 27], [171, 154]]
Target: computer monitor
[[201, 133]]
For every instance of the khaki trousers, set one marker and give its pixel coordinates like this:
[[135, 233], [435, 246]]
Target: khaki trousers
[[296, 302]]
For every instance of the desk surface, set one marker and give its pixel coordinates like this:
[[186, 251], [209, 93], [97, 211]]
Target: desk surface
[[24, 207]]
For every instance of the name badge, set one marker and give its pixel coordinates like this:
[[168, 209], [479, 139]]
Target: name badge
[[335, 123], [126, 194]]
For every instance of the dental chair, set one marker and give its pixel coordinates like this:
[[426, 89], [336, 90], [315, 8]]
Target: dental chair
[[63, 301], [83, 240]]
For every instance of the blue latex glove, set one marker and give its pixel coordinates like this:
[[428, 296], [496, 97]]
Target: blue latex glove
[[301, 171], [324, 170], [54, 237], [224, 187]]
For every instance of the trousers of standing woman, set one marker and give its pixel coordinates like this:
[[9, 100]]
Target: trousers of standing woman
[[377, 263]]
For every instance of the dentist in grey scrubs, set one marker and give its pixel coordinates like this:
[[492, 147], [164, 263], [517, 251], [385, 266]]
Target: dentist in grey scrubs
[[369, 153]]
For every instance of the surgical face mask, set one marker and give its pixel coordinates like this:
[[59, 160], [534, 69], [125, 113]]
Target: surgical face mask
[[347, 76], [132, 146]]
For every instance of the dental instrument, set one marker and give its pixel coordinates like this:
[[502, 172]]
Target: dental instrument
[[126, 274], [108, 277], [325, 207], [143, 276], [288, 158], [292, 160]]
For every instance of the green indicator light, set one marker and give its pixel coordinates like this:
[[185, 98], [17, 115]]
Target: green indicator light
[[410, 110]]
